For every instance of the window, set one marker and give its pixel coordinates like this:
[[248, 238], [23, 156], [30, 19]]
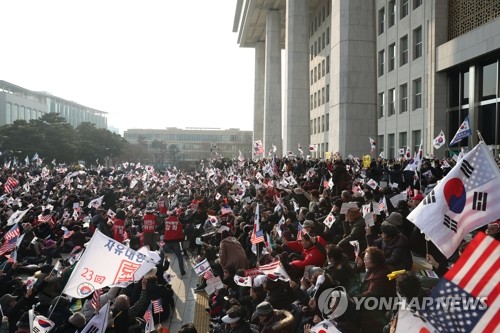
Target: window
[[312, 101], [402, 139], [465, 88], [323, 68], [312, 52], [327, 122], [319, 97], [381, 102], [392, 101], [416, 3], [8, 114], [312, 76], [404, 9], [392, 12], [416, 140], [417, 42], [319, 71], [315, 48], [392, 145], [315, 74], [327, 93], [314, 126], [323, 95], [392, 56], [318, 124], [15, 113], [403, 50], [322, 123], [323, 41], [381, 56], [315, 95], [380, 144], [403, 95], [417, 94], [488, 81], [327, 64], [328, 36], [381, 20]]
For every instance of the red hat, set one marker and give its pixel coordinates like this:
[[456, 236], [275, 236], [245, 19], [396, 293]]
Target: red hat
[[417, 197]]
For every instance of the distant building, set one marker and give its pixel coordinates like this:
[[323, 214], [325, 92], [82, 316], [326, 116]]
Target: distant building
[[398, 71], [20, 103], [192, 144]]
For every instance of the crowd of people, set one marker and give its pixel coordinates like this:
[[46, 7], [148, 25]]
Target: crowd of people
[[242, 217]]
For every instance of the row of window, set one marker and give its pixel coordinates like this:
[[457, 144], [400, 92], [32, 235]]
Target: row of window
[[320, 97], [403, 99], [320, 124], [320, 70], [320, 44], [319, 19], [20, 112], [182, 137], [392, 8], [393, 147], [403, 52]]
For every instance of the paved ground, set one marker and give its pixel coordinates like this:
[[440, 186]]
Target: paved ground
[[189, 306]]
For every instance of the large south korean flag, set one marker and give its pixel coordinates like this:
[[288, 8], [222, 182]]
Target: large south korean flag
[[466, 199]]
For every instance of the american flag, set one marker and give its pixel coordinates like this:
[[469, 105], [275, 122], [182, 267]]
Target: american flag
[[8, 246], [148, 314], [474, 276], [96, 300], [14, 232], [257, 234], [44, 218], [208, 275], [10, 185], [300, 229], [157, 308]]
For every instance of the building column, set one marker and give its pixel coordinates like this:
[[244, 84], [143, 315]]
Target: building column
[[272, 84], [296, 111], [258, 109]]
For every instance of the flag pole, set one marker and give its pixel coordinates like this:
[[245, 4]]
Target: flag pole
[[480, 136], [55, 305]]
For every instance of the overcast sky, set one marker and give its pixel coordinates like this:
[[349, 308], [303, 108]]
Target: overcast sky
[[148, 63]]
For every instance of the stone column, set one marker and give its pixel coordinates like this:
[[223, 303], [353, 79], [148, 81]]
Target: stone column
[[258, 109], [272, 84], [296, 111]]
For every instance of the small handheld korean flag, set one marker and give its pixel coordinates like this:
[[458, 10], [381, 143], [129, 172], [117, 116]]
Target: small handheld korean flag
[[439, 141], [329, 220], [373, 144], [98, 322], [412, 322], [324, 327]]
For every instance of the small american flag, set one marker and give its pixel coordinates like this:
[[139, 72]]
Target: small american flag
[[96, 300], [10, 185], [148, 314], [208, 275], [157, 308], [8, 246], [14, 232]]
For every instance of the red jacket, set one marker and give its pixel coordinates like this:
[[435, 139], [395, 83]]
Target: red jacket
[[312, 256], [119, 230], [150, 224], [173, 230]]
